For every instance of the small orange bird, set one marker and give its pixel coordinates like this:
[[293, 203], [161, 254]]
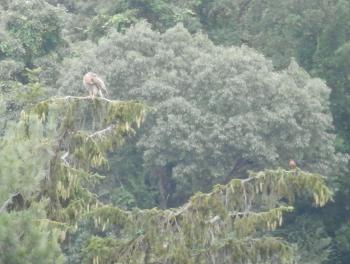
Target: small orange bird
[[94, 84], [292, 164]]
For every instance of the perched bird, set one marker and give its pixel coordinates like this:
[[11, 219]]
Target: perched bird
[[292, 164], [94, 84]]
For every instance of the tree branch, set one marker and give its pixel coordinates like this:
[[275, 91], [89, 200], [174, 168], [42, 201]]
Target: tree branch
[[102, 132], [82, 98]]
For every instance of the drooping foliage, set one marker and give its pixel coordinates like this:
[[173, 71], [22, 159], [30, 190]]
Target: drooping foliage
[[227, 225], [51, 160], [26, 235], [85, 131]]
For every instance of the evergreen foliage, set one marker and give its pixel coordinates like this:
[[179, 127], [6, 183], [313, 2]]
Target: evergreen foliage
[[228, 225], [85, 132], [69, 138], [309, 233], [26, 237]]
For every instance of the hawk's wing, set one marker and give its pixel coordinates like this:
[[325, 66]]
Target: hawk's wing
[[99, 83]]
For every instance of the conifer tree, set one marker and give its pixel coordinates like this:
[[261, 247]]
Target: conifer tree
[[50, 159], [72, 136], [231, 224]]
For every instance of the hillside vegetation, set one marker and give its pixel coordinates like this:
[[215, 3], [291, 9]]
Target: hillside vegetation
[[186, 160]]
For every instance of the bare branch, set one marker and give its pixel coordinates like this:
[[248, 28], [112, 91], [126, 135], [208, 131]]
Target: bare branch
[[82, 98], [102, 132]]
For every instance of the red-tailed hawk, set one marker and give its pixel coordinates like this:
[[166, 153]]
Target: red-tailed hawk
[[292, 164], [94, 85]]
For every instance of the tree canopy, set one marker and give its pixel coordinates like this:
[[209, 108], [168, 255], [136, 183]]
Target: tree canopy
[[229, 110]]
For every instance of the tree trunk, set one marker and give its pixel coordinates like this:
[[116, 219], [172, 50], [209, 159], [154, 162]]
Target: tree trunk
[[161, 174]]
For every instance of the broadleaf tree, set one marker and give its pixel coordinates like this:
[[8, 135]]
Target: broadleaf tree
[[219, 111]]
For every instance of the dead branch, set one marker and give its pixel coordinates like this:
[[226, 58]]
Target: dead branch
[[102, 132], [81, 98]]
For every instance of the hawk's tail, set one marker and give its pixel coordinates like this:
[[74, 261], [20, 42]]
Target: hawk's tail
[[101, 85]]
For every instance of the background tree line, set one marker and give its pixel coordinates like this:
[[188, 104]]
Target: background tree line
[[219, 111]]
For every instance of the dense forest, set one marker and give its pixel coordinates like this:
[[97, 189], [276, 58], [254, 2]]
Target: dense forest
[[224, 137]]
